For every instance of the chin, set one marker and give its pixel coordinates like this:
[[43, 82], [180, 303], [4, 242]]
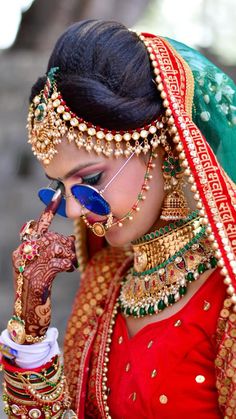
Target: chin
[[122, 236], [118, 237]]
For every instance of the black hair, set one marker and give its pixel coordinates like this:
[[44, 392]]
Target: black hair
[[105, 75]]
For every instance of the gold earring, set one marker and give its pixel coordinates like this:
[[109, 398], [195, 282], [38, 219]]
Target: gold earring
[[174, 206]]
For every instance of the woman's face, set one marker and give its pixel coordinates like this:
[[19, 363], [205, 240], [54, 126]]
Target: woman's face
[[72, 165]]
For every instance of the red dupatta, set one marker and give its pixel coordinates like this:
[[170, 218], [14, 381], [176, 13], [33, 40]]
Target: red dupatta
[[217, 195], [216, 199]]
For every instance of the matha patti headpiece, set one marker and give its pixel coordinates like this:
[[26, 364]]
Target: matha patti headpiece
[[50, 119]]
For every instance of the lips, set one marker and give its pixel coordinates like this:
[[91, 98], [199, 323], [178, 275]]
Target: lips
[[93, 220]]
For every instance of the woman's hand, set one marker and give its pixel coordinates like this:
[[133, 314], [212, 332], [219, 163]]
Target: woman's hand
[[36, 262]]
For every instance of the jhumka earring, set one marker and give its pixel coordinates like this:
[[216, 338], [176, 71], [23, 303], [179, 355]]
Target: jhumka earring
[[174, 206]]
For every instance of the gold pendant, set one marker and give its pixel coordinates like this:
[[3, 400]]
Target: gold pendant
[[140, 260], [99, 229]]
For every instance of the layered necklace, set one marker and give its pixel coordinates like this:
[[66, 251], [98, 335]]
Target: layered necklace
[[165, 263]]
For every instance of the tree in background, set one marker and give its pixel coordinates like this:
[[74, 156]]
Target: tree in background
[[45, 20]]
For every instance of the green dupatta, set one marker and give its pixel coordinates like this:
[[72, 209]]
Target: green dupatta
[[214, 106]]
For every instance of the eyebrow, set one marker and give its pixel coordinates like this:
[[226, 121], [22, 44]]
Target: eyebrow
[[73, 171]]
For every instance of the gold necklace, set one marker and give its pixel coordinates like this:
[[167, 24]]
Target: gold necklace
[[163, 269], [155, 252], [196, 257]]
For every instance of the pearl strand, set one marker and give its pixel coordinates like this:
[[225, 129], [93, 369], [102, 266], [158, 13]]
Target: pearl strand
[[184, 163], [106, 361]]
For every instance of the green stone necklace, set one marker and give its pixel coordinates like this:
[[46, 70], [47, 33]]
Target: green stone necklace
[[150, 291]]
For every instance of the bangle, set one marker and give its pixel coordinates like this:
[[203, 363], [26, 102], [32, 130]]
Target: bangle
[[16, 330], [37, 393]]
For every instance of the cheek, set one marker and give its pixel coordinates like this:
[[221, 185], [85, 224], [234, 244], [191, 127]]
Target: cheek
[[124, 193]]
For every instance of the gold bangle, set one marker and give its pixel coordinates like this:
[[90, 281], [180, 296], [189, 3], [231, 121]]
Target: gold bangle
[[18, 406], [46, 397], [17, 384], [16, 400]]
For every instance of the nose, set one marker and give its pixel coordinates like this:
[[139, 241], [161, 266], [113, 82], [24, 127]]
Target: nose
[[73, 208]]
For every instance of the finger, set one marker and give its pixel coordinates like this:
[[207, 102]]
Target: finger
[[57, 265], [71, 239], [75, 263], [52, 241], [60, 251], [48, 214], [53, 245], [64, 252]]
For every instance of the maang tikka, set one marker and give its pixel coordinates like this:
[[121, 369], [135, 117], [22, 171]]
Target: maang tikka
[[175, 206]]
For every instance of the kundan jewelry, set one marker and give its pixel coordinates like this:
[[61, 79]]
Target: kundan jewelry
[[27, 231], [46, 389], [174, 206], [50, 119], [16, 325], [163, 268], [167, 229]]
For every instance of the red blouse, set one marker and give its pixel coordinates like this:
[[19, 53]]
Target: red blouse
[[166, 371]]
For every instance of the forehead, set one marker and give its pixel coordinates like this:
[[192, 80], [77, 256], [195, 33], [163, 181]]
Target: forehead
[[69, 156]]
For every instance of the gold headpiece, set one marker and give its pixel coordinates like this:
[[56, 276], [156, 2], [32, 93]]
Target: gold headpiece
[[50, 119]]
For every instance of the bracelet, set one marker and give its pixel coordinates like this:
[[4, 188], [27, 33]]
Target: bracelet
[[28, 250], [35, 394], [35, 378], [16, 330], [25, 411]]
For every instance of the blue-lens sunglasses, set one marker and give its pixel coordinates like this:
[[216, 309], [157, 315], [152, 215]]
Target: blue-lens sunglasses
[[88, 196]]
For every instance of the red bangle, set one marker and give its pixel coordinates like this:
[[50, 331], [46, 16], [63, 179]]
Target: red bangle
[[14, 368]]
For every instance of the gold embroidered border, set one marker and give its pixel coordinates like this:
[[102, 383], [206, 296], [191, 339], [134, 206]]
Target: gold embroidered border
[[226, 359], [218, 197], [87, 312], [203, 164], [111, 299], [187, 79]]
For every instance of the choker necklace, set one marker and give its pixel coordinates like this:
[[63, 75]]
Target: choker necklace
[[164, 266]]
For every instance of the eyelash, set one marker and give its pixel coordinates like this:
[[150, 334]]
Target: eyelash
[[92, 180], [87, 180]]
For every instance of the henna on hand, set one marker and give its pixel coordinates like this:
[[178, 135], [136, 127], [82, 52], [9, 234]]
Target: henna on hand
[[54, 253]]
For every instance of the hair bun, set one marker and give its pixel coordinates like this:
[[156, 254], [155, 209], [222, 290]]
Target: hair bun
[[96, 102], [105, 75]]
